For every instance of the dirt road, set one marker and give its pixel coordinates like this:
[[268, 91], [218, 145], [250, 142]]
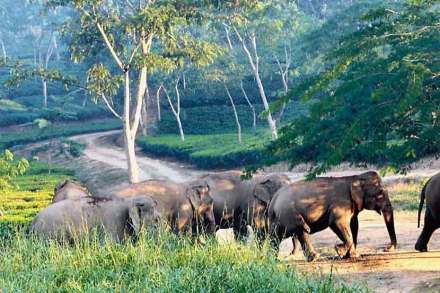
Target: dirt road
[[404, 270], [98, 149]]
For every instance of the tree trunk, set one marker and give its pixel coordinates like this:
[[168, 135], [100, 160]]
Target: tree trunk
[[254, 62], [5, 55], [254, 114], [237, 121], [270, 121], [129, 138], [179, 123], [44, 83], [144, 113], [159, 115]]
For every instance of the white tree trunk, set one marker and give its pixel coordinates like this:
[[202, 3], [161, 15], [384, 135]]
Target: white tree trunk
[[237, 121], [44, 84], [254, 114], [5, 55], [176, 110], [159, 115], [179, 123], [254, 62], [129, 138]]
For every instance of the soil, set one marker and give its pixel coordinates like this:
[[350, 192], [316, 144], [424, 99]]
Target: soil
[[102, 168]]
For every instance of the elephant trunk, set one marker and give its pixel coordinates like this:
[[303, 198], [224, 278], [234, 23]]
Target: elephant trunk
[[388, 216]]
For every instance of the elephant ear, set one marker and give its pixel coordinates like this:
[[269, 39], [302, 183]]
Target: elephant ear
[[198, 194], [262, 191], [134, 214], [357, 194]]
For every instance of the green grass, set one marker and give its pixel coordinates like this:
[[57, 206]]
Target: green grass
[[11, 139], [405, 196], [158, 262], [209, 151]]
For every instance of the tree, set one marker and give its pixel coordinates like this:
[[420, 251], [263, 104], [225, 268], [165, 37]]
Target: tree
[[10, 168], [176, 109], [141, 39], [260, 26], [378, 97]]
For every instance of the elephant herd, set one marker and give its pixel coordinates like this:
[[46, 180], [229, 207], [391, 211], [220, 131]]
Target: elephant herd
[[273, 205]]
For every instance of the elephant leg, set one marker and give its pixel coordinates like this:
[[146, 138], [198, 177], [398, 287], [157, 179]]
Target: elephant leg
[[296, 245], [354, 226], [340, 249], [429, 226], [343, 230], [240, 227], [308, 249]]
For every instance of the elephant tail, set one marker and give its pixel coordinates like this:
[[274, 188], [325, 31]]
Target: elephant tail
[[422, 201]]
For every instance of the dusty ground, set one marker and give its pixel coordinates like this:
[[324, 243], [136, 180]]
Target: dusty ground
[[404, 270], [102, 167]]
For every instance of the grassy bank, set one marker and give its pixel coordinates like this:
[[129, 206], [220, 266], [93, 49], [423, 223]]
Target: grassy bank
[[159, 263], [209, 151], [30, 135]]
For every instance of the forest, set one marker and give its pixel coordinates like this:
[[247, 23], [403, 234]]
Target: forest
[[116, 106]]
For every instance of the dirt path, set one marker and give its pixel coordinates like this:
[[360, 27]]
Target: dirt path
[[404, 270], [98, 149]]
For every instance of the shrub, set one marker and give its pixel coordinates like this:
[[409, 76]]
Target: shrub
[[209, 151]]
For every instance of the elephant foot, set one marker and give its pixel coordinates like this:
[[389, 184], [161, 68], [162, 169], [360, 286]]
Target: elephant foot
[[312, 256], [341, 250], [390, 248], [421, 247]]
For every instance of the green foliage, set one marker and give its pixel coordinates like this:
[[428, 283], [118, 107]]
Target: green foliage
[[10, 168], [33, 192], [209, 151], [379, 96], [11, 139], [220, 118], [158, 262]]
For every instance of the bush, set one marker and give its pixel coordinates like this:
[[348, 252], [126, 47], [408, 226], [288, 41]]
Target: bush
[[34, 191], [209, 151], [220, 118]]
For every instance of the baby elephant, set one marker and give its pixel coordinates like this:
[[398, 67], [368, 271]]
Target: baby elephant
[[306, 207], [71, 219], [69, 189], [431, 191]]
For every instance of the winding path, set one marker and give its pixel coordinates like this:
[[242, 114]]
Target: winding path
[[98, 150]]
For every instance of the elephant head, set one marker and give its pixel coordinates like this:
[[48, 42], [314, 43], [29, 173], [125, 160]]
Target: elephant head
[[264, 190], [69, 189], [142, 213], [202, 205], [368, 192]]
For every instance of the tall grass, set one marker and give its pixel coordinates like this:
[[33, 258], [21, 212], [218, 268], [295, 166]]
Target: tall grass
[[156, 263]]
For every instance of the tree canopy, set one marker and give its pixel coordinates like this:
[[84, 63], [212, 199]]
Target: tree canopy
[[377, 101]]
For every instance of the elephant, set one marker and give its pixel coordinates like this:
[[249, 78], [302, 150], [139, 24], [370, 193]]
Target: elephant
[[238, 202], [306, 207], [186, 207], [430, 191], [71, 219], [69, 189]]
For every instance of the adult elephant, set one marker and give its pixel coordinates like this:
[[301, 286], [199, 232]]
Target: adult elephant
[[307, 207], [187, 207], [69, 189], [431, 191], [72, 219], [238, 202]]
